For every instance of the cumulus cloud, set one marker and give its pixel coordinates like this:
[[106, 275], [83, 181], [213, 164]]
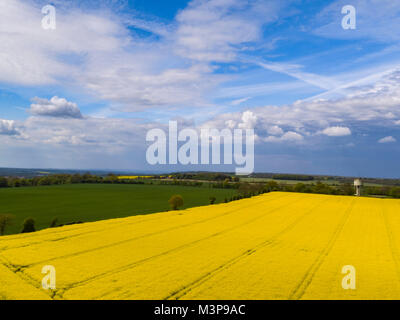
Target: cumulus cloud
[[249, 120], [60, 142], [230, 124], [106, 135], [374, 105], [275, 130], [289, 136], [55, 107], [388, 139], [336, 131], [8, 127]]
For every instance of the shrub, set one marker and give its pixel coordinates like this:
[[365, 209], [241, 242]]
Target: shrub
[[395, 192], [28, 226], [54, 223], [272, 186], [3, 182], [175, 202], [347, 189]]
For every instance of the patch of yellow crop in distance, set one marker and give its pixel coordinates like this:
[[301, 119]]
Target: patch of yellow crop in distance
[[134, 177]]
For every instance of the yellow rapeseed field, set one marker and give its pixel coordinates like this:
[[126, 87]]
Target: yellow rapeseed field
[[133, 177], [274, 246]]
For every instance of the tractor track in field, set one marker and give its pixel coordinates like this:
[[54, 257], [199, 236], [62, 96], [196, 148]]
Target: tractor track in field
[[19, 269], [176, 249], [83, 233], [110, 245], [26, 278], [118, 225], [302, 286], [204, 278]]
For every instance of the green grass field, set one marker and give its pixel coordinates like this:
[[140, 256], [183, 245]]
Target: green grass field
[[92, 202]]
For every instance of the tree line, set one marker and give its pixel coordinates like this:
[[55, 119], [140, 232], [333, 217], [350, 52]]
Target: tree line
[[346, 189], [222, 181], [58, 179]]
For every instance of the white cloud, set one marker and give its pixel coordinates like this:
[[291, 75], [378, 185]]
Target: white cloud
[[275, 130], [55, 107], [336, 131], [230, 124], [375, 105], [103, 135], [135, 89], [292, 136], [34, 56], [388, 139], [239, 101], [97, 52], [73, 143], [215, 30], [249, 120], [289, 136], [8, 127]]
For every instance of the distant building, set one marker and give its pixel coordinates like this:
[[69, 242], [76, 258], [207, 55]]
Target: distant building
[[358, 185]]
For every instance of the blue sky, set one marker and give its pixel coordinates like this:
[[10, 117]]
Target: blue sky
[[321, 99]]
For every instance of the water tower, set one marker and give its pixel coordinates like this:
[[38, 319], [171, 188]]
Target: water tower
[[358, 185]]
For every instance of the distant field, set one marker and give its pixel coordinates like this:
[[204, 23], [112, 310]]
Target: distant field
[[262, 180], [92, 202], [274, 246], [330, 182]]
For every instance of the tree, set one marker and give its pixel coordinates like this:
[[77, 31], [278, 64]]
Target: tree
[[244, 188], [54, 223], [347, 189], [212, 199], [28, 225], [3, 182], [5, 221], [395, 192], [176, 201], [272, 186], [322, 188], [300, 187]]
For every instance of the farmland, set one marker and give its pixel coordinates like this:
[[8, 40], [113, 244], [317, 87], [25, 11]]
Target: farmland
[[273, 246], [293, 182], [92, 202]]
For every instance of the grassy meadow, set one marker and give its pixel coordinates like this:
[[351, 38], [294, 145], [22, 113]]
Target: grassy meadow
[[92, 202]]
